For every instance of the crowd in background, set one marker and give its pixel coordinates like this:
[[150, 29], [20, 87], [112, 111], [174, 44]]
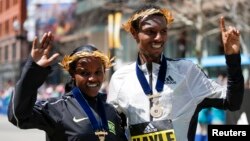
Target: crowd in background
[[48, 90], [5, 94], [44, 92]]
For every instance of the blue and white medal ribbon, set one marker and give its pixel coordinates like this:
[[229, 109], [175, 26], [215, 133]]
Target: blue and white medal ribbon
[[156, 110], [100, 128]]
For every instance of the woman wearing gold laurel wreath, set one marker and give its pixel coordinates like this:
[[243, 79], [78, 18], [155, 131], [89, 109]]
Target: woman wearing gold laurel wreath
[[161, 97], [79, 115]]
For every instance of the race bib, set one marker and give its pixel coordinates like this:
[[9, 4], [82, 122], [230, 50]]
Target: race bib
[[161, 130]]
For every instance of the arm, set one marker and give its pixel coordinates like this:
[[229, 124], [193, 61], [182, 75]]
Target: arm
[[235, 84], [34, 74], [120, 126], [25, 92]]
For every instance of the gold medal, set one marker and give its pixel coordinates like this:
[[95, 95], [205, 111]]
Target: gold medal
[[156, 111], [101, 135]]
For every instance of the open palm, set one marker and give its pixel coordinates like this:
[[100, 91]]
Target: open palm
[[40, 51]]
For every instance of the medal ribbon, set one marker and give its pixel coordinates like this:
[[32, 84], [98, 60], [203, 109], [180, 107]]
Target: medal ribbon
[[160, 79], [97, 126]]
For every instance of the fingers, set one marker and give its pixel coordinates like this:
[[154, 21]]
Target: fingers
[[230, 28], [233, 31], [48, 44], [34, 43], [47, 38], [222, 24], [53, 57], [45, 45]]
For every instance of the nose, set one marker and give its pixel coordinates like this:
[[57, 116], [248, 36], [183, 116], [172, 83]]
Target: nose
[[92, 77], [159, 37]]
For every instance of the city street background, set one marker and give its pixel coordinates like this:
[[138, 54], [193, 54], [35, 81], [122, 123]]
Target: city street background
[[9, 132]]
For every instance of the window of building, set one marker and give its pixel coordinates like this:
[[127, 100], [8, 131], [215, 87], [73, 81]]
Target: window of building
[[1, 6], [14, 51], [0, 54], [6, 53], [7, 4], [14, 2], [7, 26], [0, 29]]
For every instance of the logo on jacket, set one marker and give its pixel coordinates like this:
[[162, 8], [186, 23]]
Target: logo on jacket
[[79, 119], [150, 128], [170, 80], [111, 126]]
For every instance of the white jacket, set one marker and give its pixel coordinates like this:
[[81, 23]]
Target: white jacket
[[185, 88]]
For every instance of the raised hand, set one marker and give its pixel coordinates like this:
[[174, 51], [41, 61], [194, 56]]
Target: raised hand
[[230, 38], [40, 52]]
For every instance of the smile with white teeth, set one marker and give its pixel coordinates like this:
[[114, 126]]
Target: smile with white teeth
[[156, 45], [92, 85]]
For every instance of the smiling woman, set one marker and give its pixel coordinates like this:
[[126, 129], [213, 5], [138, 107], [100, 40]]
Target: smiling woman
[[156, 90], [80, 114]]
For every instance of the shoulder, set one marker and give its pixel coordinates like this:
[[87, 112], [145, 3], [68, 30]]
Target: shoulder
[[180, 61], [56, 100], [180, 64], [109, 108], [124, 70]]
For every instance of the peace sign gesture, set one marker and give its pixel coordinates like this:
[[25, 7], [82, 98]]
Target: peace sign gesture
[[40, 52], [230, 38]]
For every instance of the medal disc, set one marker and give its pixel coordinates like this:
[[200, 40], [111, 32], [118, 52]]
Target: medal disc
[[156, 111], [101, 135]]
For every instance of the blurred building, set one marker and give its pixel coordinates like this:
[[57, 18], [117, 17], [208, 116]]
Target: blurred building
[[58, 17], [195, 33], [13, 45], [199, 20]]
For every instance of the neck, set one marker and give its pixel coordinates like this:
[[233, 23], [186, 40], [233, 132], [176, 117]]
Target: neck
[[92, 101], [89, 98], [149, 59]]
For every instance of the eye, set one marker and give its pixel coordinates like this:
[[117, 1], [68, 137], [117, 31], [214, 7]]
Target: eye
[[164, 31], [82, 72], [149, 32], [99, 72]]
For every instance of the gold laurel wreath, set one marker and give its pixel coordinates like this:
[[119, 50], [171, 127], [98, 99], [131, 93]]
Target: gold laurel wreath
[[167, 14], [65, 63]]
